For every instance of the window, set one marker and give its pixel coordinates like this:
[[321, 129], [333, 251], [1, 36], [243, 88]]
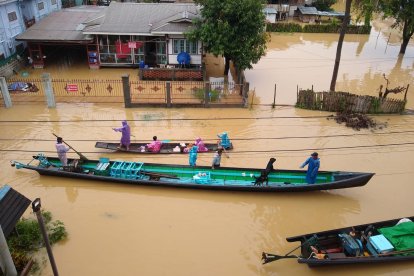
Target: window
[[53, 2], [183, 45], [41, 6], [12, 16]]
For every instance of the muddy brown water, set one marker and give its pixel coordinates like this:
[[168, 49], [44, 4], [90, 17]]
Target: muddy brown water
[[132, 230]]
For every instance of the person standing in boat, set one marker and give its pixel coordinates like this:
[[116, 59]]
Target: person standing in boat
[[313, 163], [61, 151], [155, 145], [200, 144], [224, 140], [126, 135], [217, 158], [192, 156]]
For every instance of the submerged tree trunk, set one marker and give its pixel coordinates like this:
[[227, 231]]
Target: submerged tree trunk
[[340, 42], [406, 38]]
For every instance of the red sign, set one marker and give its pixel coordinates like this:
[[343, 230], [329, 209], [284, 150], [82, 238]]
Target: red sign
[[72, 87], [132, 44]]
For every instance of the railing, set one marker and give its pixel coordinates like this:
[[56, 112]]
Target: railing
[[177, 74]]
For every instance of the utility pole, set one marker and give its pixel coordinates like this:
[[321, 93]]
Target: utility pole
[[36, 209]]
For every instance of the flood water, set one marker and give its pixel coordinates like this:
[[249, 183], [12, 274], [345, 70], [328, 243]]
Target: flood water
[[132, 230]]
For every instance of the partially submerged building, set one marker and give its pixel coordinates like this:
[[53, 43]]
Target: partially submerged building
[[122, 34]]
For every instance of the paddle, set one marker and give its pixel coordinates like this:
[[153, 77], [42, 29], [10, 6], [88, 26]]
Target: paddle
[[80, 154], [268, 257]]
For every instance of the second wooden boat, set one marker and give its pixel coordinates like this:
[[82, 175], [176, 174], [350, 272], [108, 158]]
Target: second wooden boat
[[378, 242], [166, 148]]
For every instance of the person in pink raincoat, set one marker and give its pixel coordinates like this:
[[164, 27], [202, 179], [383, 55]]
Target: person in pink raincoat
[[155, 145], [200, 144]]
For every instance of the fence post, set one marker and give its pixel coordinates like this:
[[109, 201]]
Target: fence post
[[274, 98], [207, 94], [47, 86], [5, 92], [168, 91], [127, 90]]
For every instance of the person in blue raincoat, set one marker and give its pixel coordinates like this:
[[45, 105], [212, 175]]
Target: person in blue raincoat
[[225, 141], [313, 163], [192, 156]]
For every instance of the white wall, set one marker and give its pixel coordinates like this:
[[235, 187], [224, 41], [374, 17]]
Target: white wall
[[172, 58], [9, 30]]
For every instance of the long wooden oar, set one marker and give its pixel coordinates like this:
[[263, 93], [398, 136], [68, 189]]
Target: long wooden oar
[[80, 154], [268, 257]]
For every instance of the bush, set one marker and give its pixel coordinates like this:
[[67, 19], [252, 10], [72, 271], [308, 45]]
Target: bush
[[214, 94], [29, 238]]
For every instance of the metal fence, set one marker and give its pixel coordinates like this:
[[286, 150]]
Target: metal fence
[[137, 93]]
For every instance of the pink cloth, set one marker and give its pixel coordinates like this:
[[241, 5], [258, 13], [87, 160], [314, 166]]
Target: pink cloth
[[154, 146], [200, 144]]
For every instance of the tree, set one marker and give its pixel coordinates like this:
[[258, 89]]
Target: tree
[[340, 42], [323, 5], [403, 12], [234, 29], [365, 9]]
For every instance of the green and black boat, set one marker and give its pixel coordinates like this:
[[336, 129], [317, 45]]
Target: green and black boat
[[199, 177]]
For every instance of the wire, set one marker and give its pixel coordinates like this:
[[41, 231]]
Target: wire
[[254, 151], [214, 139]]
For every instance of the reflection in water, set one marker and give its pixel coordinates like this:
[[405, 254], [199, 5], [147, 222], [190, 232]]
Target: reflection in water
[[307, 60]]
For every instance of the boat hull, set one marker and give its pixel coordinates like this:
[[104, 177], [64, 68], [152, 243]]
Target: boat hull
[[167, 148], [224, 178], [324, 235]]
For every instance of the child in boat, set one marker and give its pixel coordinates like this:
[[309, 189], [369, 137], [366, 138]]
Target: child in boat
[[313, 163], [126, 135], [61, 151], [200, 144], [155, 145], [217, 158]]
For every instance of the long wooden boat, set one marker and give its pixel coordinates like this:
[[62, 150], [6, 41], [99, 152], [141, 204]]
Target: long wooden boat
[[166, 148], [200, 177], [377, 242]]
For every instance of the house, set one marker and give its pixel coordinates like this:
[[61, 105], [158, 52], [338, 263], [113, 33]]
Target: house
[[18, 15], [122, 34], [312, 15], [146, 34], [308, 14]]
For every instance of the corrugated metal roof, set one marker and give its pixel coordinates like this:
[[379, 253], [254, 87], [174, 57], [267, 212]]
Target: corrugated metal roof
[[66, 25], [308, 10], [313, 11], [12, 207], [141, 18]]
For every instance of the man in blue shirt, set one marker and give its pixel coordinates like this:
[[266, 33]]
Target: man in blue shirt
[[313, 167]]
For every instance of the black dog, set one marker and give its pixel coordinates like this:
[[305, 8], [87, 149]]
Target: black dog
[[265, 173]]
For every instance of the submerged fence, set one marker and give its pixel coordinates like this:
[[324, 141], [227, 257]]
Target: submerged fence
[[343, 101]]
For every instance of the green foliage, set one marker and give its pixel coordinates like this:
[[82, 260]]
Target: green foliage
[[316, 28], [234, 29], [403, 13], [29, 238], [284, 27], [323, 5], [214, 94]]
